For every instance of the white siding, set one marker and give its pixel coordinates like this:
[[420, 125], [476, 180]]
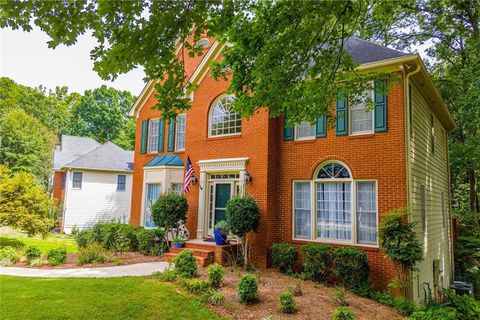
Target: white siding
[[430, 170], [98, 200]]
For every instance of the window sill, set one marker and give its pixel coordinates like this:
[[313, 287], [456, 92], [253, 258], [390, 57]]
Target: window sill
[[311, 140], [366, 247], [230, 136], [361, 136]]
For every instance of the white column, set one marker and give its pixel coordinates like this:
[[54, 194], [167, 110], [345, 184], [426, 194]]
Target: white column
[[201, 205]]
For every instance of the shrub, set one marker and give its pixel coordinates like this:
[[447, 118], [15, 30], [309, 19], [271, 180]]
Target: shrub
[[57, 256], [169, 212], [383, 297], [195, 285], [247, 291], [33, 254], [284, 256], [92, 253], [404, 306], [316, 261], [343, 313], [351, 266], [340, 296], [151, 242], [215, 274], [399, 241], [185, 264], [83, 238], [287, 302], [435, 313], [466, 307], [168, 275], [8, 256], [243, 216], [215, 298], [98, 232], [120, 237]]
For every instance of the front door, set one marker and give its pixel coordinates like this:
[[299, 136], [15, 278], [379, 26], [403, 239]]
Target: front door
[[220, 194]]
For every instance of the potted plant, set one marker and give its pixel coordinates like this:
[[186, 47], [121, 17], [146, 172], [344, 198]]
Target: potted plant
[[178, 242], [220, 231]]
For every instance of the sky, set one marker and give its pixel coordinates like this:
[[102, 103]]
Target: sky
[[26, 58]]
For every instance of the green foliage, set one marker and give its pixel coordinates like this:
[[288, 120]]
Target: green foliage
[[243, 215], [23, 151], [284, 256], [57, 256], [222, 225], [32, 253], [169, 210], [92, 253], [343, 313], [215, 273], [434, 313], [351, 267], [317, 261], [185, 264], [195, 285], [8, 256], [383, 297], [247, 290], [83, 238], [287, 302], [168, 275], [403, 305], [24, 204], [465, 306], [120, 237], [340, 296], [151, 241], [214, 298]]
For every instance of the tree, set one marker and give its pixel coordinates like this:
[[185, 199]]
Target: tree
[[102, 115], [26, 144], [243, 216], [280, 54], [25, 204]]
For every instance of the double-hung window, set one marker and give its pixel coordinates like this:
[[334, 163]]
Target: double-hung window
[[177, 188], [180, 129], [153, 136], [362, 113], [304, 131], [77, 180], [121, 182], [335, 208]]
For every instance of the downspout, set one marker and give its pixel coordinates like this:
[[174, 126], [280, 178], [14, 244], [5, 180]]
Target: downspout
[[406, 93]]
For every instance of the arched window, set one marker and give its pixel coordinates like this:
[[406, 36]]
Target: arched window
[[222, 119], [325, 209]]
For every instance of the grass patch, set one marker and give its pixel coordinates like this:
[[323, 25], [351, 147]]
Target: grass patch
[[20, 240], [114, 298]]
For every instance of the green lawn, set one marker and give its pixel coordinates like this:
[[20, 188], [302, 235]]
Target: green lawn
[[18, 239], [115, 298]]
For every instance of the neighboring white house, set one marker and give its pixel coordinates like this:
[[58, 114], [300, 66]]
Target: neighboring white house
[[93, 181]]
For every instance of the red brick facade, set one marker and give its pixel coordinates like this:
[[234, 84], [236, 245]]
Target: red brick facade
[[274, 164]]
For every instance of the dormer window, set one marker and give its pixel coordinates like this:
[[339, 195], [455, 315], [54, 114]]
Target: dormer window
[[223, 120]]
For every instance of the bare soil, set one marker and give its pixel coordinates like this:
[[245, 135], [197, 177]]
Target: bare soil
[[113, 259], [314, 303]]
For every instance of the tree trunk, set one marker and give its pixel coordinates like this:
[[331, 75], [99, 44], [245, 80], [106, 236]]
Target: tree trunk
[[473, 191]]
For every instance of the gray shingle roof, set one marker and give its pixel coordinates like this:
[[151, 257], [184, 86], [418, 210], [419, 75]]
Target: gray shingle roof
[[363, 51], [71, 148], [108, 156]]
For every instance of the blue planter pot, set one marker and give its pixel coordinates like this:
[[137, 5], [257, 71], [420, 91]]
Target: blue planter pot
[[178, 244], [220, 238]]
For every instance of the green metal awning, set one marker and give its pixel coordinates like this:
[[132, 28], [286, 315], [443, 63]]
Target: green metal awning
[[170, 160]]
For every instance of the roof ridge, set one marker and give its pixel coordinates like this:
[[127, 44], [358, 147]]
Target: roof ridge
[[376, 44]]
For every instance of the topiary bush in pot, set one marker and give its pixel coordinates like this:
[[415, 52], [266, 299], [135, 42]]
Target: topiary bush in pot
[[284, 256]]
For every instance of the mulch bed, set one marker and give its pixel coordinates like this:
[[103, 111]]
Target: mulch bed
[[315, 302], [119, 259]]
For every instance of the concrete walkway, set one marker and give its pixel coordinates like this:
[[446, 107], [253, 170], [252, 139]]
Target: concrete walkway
[[140, 269]]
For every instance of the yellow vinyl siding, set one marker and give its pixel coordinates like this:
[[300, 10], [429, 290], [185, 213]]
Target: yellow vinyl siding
[[430, 170]]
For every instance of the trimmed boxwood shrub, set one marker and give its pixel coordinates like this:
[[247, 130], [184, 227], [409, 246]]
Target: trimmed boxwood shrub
[[351, 267], [57, 256], [287, 302], [195, 285], [284, 256], [317, 261], [151, 242], [247, 291], [215, 274], [185, 264]]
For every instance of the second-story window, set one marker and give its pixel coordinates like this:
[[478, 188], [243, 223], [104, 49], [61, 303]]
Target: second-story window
[[304, 130], [362, 114], [223, 120], [180, 129], [153, 136]]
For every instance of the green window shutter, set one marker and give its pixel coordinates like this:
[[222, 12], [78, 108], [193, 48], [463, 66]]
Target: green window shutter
[[287, 131], [321, 127], [171, 135], [380, 106], [161, 134], [143, 141], [342, 115]]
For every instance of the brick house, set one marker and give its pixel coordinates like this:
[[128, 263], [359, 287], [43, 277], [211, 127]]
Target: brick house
[[314, 182]]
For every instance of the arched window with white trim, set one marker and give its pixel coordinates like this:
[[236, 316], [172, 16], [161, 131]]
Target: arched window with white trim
[[223, 120], [333, 207]]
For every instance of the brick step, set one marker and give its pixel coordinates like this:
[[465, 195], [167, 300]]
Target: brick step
[[196, 252], [200, 261]]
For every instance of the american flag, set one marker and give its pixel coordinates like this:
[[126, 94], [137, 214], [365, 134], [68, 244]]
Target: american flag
[[189, 172]]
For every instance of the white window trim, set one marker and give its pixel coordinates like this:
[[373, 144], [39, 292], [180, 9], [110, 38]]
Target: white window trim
[[81, 182], [149, 136], [144, 204], [313, 208], [350, 118], [176, 132], [210, 135], [296, 138], [118, 176]]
